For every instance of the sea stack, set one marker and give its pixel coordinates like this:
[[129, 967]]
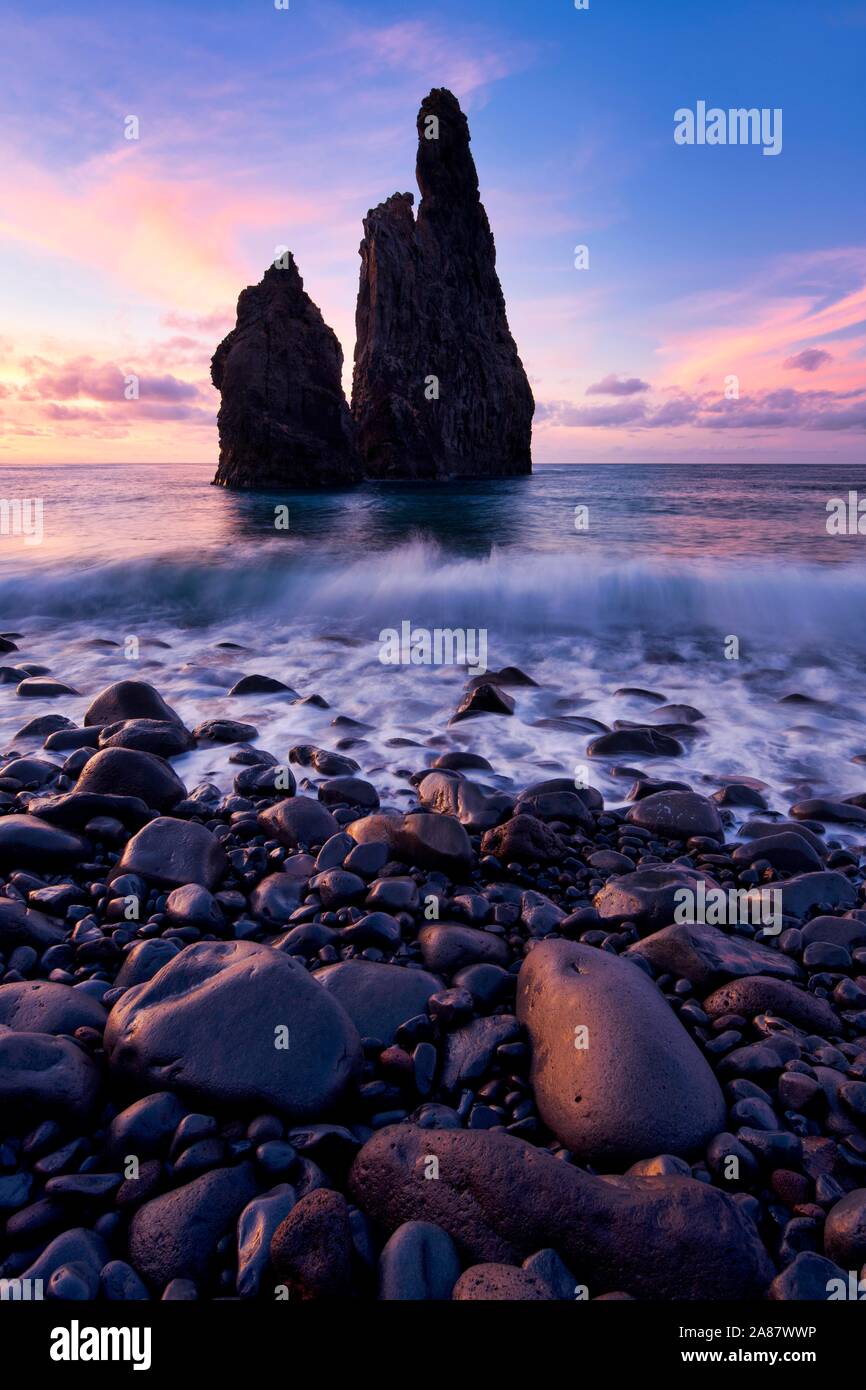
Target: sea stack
[[284, 420], [439, 389]]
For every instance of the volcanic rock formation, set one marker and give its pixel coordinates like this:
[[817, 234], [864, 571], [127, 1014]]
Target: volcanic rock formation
[[284, 420], [439, 389]]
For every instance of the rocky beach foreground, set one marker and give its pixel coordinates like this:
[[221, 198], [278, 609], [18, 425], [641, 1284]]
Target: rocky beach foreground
[[291, 1042]]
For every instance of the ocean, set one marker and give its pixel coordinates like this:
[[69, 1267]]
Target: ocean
[[717, 588]]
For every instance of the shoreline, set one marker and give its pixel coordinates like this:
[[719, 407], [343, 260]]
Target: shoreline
[[505, 918]]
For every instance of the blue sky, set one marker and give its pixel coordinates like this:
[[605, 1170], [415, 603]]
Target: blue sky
[[261, 127]]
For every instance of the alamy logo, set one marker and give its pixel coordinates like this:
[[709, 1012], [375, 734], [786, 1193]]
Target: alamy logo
[[847, 516], [719, 907], [439, 646], [21, 1290], [77, 1343], [22, 516], [737, 126]]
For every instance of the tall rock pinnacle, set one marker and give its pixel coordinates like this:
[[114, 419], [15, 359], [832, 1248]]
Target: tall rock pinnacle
[[439, 389], [284, 420]]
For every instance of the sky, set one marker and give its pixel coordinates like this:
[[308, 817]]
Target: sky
[[721, 315]]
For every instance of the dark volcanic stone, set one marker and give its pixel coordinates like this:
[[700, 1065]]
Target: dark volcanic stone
[[26, 842], [648, 896], [143, 961], [43, 688], [349, 791], [636, 1085], [483, 699], [297, 821], [21, 926], [434, 842], [165, 738], [277, 896], [378, 997], [470, 1050], [644, 743], [419, 1262], [475, 809], [129, 772], [676, 815], [808, 1278], [506, 1283], [809, 892], [845, 1231], [129, 700], [501, 1200], [194, 906], [430, 302], [225, 731], [311, 1250], [284, 420], [175, 1236], [44, 1077], [256, 1226], [447, 947], [42, 1006], [525, 839], [707, 957], [235, 1023], [171, 853], [261, 685], [787, 853], [758, 994], [819, 808]]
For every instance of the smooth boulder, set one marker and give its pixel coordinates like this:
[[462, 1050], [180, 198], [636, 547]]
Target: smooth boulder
[[235, 1024], [630, 1086], [501, 1200]]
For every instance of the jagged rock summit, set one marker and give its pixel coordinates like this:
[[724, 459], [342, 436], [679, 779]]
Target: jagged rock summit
[[439, 390], [284, 420]]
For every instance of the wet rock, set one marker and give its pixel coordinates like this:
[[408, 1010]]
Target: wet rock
[[786, 853], [419, 1262], [676, 815], [277, 896], [27, 842], [434, 842], [261, 685], [637, 742], [758, 994], [483, 699], [311, 1250], [235, 1023], [42, 1006], [525, 839], [648, 897], [469, 1051], [809, 1277], [225, 731], [808, 893], [194, 906], [475, 809], [43, 688], [430, 301], [20, 926], [327, 763], [447, 947], [378, 997], [708, 958], [171, 853], [175, 1236], [143, 960], [284, 420], [43, 1077], [845, 1231], [501, 1199], [298, 821], [164, 738], [128, 772], [633, 1084], [837, 812], [129, 700], [256, 1226], [349, 791]]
